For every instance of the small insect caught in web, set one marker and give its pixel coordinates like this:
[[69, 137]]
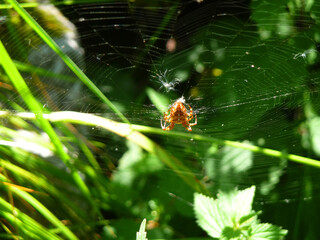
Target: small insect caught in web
[[178, 114], [167, 81]]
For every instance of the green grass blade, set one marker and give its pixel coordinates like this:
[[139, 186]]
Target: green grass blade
[[25, 5], [42, 72], [31, 102], [44, 211], [56, 3], [42, 183], [35, 107], [77, 71], [124, 130], [88, 119], [242, 145], [30, 228]]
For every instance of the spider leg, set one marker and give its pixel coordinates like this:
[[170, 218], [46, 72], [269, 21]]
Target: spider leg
[[163, 125], [169, 127], [195, 122], [166, 119], [190, 114], [190, 118], [187, 126], [164, 116]]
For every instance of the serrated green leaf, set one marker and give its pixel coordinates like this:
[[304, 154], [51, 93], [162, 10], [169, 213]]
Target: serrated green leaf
[[210, 216], [237, 204], [217, 216], [243, 202], [248, 219], [230, 233], [267, 231]]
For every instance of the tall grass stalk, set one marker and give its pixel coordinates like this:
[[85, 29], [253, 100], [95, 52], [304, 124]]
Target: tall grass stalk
[[35, 107]]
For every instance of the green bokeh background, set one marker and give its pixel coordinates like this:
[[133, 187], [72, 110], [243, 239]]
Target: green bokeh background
[[249, 70]]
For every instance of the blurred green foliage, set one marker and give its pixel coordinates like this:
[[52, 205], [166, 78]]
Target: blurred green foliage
[[249, 70]]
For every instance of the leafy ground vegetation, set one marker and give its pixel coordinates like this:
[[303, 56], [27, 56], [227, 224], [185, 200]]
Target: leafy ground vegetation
[[84, 86]]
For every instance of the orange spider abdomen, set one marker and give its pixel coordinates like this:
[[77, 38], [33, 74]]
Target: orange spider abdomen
[[180, 113]]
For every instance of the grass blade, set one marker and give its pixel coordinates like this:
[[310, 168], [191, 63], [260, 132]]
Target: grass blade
[[89, 119], [29, 227], [43, 183], [44, 211], [77, 71], [35, 107], [126, 131]]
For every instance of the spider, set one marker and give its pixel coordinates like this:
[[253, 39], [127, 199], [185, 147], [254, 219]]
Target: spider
[[178, 114]]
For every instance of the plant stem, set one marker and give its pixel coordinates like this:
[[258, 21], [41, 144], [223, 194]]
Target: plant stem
[[123, 130]]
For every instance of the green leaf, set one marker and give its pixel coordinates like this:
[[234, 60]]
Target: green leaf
[[159, 100], [209, 215], [235, 160], [237, 204], [230, 233], [231, 217], [216, 217], [313, 126], [142, 234], [248, 219], [126, 172], [133, 165], [227, 165], [267, 231], [275, 172]]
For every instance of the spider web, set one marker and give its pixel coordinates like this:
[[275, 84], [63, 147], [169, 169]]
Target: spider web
[[244, 67]]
